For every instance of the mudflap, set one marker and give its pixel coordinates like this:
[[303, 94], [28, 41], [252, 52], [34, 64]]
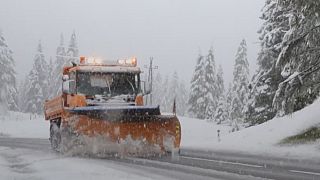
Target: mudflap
[[55, 137], [69, 140]]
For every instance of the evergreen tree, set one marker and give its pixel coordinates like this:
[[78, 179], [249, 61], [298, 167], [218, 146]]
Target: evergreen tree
[[64, 57], [50, 77], [240, 86], [298, 62], [266, 79], [50, 69], [220, 82], [36, 85], [72, 51], [228, 100], [196, 108], [165, 103], [165, 92], [182, 106], [288, 72], [203, 99], [178, 93], [211, 96], [56, 74], [221, 113], [8, 90], [173, 93], [21, 94], [157, 90]]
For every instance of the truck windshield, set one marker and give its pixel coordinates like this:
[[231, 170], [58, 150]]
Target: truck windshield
[[107, 84]]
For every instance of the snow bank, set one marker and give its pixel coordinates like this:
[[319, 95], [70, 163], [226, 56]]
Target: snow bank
[[198, 133], [261, 139], [23, 125]]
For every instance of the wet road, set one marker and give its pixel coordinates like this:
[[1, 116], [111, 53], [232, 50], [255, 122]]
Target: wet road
[[195, 164]]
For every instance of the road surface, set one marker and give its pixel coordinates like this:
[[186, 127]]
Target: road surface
[[191, 164]]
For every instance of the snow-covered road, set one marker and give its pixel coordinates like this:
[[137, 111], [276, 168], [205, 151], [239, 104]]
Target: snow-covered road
[[24, 159], [27, 164], [31, 158]]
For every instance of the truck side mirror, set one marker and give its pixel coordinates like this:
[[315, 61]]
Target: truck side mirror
[[69, 87]]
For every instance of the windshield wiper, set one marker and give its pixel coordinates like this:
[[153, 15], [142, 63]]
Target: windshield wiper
[[131, 85], [109, 88]]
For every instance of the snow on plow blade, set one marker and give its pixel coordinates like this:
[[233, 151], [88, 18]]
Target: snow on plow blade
[[127, 130], [117, 113]]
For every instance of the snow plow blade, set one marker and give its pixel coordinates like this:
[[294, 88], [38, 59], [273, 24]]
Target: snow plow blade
[[127, 130], [117, 113]]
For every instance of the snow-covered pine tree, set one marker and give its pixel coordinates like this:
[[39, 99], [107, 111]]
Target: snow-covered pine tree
[[240, 88], [220, 82], [228, 99], [221, 113], [165, 102], [203, 99], [176, 92], [182, 107], [173, 92], [50, 68], [56, 74], [50, 77], [266, 79], [21, 94], [195, 102], [211, 95], [164, 93], [285, 21], [298, 62], [36, 85], [288, 62], [157, 90], [8, 90], [72, 51]]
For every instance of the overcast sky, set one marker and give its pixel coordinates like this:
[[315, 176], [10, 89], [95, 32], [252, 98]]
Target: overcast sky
[[172, 31]]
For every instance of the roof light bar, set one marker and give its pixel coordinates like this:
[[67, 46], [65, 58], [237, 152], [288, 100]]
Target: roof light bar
[[98, 61], [129, 62]]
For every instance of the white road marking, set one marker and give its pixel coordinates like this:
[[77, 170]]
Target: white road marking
[[224, 162], [305, 172]]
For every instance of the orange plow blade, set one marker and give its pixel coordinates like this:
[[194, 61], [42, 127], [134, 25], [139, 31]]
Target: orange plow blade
[[126, 133]]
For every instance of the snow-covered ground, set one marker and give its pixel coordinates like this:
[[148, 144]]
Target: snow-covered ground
[[24, 125], [199, 134]]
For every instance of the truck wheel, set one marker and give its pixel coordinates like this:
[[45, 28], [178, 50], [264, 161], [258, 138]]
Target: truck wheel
[[55, 136]]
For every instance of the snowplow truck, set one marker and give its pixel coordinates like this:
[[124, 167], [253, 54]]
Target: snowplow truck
[[101, 110]]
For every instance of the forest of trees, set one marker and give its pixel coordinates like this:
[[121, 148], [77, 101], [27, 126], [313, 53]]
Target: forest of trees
[[8, 89], [168, 89], [287, 78], [208, 99], [44, 80]]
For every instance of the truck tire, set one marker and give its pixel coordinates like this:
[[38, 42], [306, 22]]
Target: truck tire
[[55, 136]]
